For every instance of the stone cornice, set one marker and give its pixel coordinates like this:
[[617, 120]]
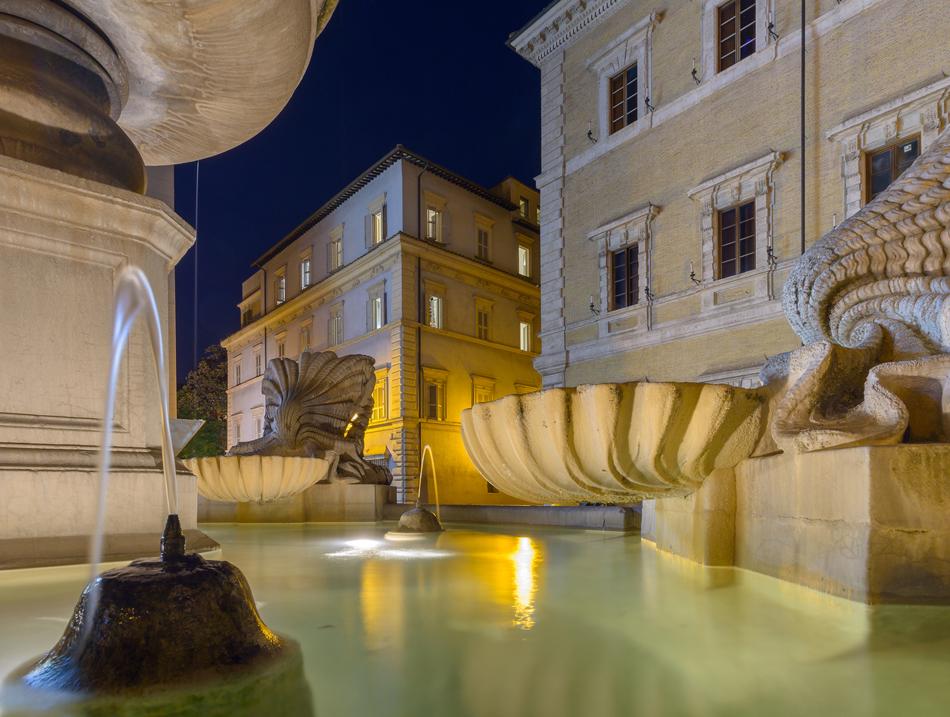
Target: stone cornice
[[560, 26]]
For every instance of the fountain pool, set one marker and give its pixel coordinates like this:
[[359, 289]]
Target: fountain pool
[[517, 621]]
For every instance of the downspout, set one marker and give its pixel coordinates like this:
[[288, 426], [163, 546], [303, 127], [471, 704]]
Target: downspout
[[802, 138], [420, 319]]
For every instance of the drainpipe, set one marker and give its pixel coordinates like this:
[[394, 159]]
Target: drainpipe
[[802, 138], [420, 319]]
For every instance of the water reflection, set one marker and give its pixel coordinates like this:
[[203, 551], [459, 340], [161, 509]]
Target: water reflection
[[526, 562], [481, 575]]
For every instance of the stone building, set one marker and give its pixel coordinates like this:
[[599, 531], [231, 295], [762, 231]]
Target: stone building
[[670, 179], [434, 276]]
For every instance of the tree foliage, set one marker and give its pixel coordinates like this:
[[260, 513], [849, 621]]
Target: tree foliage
[[204, 395]]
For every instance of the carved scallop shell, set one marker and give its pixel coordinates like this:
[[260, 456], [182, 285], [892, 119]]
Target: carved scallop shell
[[324, 402], [882, 273], [612, 443], [257, 479]]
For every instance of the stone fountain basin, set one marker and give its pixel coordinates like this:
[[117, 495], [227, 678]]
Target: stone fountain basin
[[612, 443], [258, 479]]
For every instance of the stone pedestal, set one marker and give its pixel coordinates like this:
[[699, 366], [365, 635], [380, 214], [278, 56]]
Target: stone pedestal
[[62, 241], [321, 503], [869, 523], [701, 526]]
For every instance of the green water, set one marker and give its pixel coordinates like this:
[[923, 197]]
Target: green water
[[517, 621]]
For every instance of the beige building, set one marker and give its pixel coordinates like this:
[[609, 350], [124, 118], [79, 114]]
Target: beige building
[[670, 180], [434, 276]]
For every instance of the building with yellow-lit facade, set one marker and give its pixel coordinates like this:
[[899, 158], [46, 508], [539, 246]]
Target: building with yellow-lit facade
[[431, 274]]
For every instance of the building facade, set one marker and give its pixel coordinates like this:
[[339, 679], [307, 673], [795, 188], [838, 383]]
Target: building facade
[[435, 277], [671, 167]]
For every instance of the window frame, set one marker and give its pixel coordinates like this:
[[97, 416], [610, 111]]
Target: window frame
[[623, 87], [335, 327], [526, 248], [739, 237], [736, 32], [306, 272], [525, 329], [631, 265], [381, 408], [280, 287], [869, 154]]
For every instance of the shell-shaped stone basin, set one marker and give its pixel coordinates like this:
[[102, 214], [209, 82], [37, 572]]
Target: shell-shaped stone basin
[[257, 479], [612, 443]]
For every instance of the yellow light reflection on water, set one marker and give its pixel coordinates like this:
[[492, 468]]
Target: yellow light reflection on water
[[526, 560]]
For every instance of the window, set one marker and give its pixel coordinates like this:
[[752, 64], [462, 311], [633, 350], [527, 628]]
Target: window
[[887, 164], [483, 389], [435, 399], [237, 374], [380, 394], [524, 335], [235, 429], [433, 224], [305, 339], [376, 313], [258, 364], [378, 227], [625, 275], [247, 316], [736, 240], [481, 243], [335, 254], [523, 207], [524, 260], [483, 323], [280, 288], [258, 427], [281, 346], [434, 318], [623, 98], [304, 273], [335, 325], [736, 32]]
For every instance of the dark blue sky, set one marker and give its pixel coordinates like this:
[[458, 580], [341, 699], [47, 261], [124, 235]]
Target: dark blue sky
[[436, 77]]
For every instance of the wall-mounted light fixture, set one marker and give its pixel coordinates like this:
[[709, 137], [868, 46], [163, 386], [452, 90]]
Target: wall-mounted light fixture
[[770, 257], [649, 294], [692, 275], [695, 72], [650, 107], [593, 309], [590, 133], [771, 27]]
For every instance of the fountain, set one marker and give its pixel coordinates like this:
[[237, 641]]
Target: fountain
[[315, 418], [833, 474], [420, 520], [94, 94], [174, 623]]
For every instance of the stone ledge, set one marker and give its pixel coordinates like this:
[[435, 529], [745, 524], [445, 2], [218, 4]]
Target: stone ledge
[[19, 553]]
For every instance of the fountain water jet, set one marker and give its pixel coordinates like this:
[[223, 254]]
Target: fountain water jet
[[170, 623], [419, 520]]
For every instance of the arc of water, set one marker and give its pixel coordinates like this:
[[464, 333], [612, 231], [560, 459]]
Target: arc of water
[[133, 295], [435, 483]]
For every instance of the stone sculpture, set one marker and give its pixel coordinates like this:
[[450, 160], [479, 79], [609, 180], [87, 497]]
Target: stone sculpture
[[871, 302], [612, 443], [319, 408]]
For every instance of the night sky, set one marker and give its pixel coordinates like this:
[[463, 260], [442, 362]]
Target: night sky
[[436, 77]]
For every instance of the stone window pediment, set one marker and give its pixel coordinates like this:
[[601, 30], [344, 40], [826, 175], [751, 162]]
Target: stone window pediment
[[635, 228], [923, 112], [634, 46], [751, 181]]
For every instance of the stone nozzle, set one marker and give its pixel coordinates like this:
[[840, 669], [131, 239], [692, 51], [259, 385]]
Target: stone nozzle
[[173, 540]]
